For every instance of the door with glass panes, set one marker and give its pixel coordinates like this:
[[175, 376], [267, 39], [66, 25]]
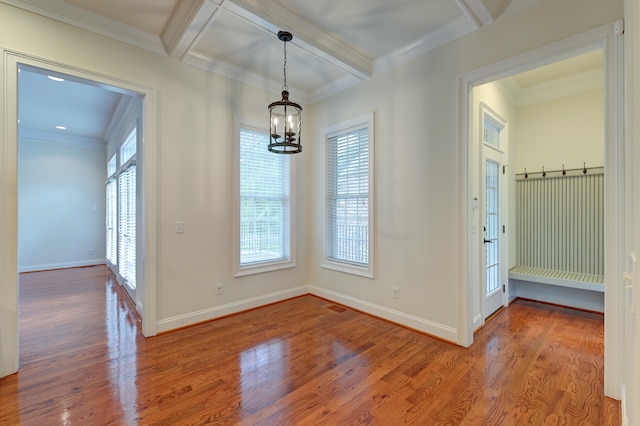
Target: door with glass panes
[[494, 275]]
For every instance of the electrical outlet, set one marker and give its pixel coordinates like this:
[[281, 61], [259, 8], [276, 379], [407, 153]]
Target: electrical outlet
[[90, 252], [395, 292], [219, 289]]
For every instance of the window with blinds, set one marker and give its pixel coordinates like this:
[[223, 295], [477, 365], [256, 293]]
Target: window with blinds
[[127, 225], [263, 231], [348, 210], [120, 215]]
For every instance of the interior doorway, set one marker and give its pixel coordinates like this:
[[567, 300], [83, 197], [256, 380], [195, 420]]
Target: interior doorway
[[609, 40], [145, 197]]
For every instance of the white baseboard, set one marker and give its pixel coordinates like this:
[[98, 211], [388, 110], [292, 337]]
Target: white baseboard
[[62, 265], [228, 309], [573, 297], [477, 322], [411, 321]]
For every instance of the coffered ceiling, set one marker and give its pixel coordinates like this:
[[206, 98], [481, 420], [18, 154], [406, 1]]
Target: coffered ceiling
[[337, 43]]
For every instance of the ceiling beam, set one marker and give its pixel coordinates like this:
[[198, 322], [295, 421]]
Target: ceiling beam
[[187, 25], [483, 12], [271, 17]]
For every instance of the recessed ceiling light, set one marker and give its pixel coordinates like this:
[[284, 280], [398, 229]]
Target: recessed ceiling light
[[61, 128], [55, 78]]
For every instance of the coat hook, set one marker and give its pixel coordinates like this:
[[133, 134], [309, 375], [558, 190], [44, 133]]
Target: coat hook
[[584, 168], [564, 172], [526, 176], [544, 174]]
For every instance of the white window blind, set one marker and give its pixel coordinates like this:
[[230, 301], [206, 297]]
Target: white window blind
[[264, 222], [111, 218], [127, 225], [347, 202]]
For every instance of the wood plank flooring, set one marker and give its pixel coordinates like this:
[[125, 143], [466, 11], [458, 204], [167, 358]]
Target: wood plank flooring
[[305, 361]]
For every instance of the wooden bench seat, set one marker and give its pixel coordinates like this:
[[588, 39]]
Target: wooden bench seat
[[559, 278]]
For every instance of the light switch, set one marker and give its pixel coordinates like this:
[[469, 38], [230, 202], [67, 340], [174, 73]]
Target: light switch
[[179, 227]]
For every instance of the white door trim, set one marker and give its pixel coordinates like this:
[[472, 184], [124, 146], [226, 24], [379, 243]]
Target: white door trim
[[9, 360], [609, 39]]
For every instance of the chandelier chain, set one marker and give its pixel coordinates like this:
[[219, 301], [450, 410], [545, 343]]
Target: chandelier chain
[[284, 68]]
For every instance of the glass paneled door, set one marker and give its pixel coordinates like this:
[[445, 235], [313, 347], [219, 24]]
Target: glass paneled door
[[493, 292]]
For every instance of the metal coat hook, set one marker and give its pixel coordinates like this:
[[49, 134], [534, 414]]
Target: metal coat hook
[[584, 168], [526, 176], [544, 174], [564, 172]]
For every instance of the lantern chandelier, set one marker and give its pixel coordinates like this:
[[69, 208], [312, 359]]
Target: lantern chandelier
[[285, 116]]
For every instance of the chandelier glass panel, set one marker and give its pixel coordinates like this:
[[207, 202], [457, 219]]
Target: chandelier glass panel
[[285, 116]]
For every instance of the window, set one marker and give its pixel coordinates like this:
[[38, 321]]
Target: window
[[127, 226], [121, 211], [348, 210], [263, 207], [492, 129]]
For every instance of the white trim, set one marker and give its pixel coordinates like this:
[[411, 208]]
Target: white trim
[[230, 308], [450, 31], [62, 265], [30, 135], [8, 217], [362, 121], [233, 72], [600, 38], [71, 14], [420, 324]]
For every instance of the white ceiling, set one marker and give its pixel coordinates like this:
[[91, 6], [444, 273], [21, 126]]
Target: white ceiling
[[336, 44]]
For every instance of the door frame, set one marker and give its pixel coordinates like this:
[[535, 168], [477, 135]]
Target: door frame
[[11, 59], [609, 39]]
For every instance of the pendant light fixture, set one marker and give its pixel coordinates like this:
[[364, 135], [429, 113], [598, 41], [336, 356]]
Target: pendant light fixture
[[285, 116]]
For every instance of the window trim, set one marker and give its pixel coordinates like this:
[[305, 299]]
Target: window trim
[[270, 265], [362, 121]]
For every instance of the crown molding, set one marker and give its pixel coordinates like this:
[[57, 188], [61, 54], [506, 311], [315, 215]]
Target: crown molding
[[225, 69], [68, 13], [32, 135], [121, 112], [271, 17], [453, 30], [562, 87]]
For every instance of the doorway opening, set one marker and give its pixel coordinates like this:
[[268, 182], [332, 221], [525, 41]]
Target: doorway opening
[[541, 207], [145, 195], [609, 41], [75, 207]]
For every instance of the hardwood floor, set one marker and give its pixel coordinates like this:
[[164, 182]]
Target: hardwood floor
[[305, 361]]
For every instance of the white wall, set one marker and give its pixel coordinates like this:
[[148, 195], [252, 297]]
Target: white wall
[[417, 165], [60, 205], [568, 130]]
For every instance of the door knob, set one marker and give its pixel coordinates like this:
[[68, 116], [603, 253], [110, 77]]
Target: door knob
[[487, 241]]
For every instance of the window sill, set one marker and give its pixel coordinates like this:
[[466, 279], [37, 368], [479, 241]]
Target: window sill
[[348, 268], [261, 267]]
